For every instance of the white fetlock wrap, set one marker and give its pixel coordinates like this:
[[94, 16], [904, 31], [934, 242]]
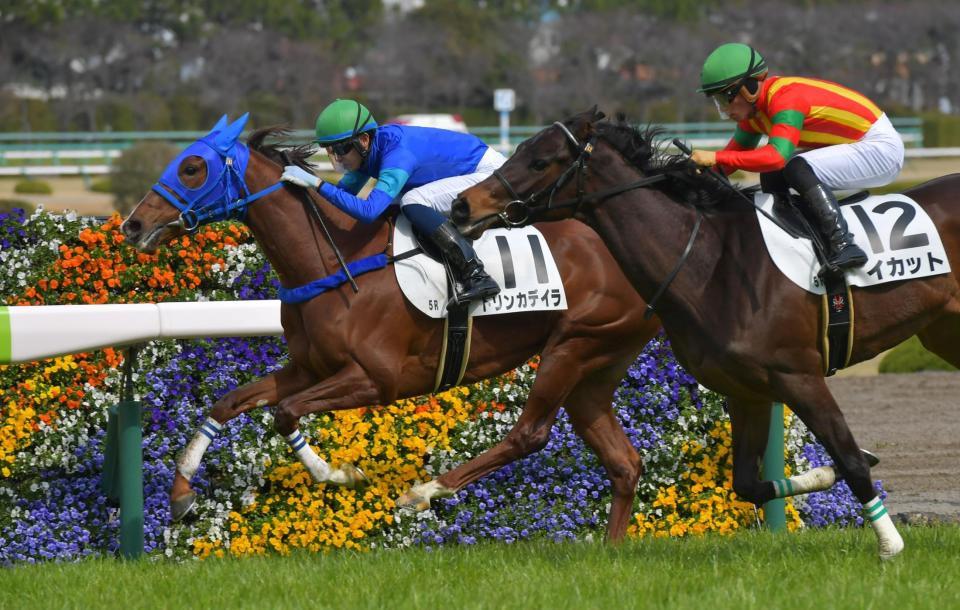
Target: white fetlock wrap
[[888, 538], [190, 459], [817, 479], [318, 469], [432, 489]]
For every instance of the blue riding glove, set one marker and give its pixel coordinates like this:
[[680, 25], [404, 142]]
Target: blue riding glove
[[300, 177]]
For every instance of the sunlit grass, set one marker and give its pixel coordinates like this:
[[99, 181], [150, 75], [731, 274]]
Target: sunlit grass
[[809, 569]]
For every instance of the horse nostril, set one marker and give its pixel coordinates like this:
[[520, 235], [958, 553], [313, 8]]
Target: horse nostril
[[131, 228], [460, 210]]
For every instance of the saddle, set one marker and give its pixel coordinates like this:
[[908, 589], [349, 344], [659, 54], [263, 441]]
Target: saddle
[[837, 304], [900, 240], [519, 261]]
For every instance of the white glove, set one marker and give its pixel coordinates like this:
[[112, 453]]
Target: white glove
[[300, 177]]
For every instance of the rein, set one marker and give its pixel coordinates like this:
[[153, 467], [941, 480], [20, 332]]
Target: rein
[[578, 168], [308, 203], [220, 201]]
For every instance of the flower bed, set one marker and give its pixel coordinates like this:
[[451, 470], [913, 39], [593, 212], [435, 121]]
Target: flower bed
[[255, 497]]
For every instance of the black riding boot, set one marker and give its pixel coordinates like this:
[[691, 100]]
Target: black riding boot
[[471, 281], [842, 252]]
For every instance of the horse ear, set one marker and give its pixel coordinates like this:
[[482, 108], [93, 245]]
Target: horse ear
[[220, 124], [228, 136], [597, 115]]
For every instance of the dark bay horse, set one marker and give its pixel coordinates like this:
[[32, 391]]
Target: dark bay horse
[[737, 324], [352, 350]]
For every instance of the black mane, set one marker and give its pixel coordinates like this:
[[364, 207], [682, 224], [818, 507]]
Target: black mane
[[646, 148], [297, 155]]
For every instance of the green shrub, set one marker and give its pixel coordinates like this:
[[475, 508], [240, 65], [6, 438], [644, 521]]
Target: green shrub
[[910, 357], [941, 130], [33, 187], [136, 170], [8, 205], [102, 185]]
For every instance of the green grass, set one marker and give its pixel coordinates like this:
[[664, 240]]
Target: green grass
[[910, 357], [813, 569]]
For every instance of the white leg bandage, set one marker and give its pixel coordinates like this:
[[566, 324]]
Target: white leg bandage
[[318, 469], [432, 489], [190, 460], [818, 479], [887, 535]]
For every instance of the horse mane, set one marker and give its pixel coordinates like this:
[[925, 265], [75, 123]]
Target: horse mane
[[645, 147], [297, 155]]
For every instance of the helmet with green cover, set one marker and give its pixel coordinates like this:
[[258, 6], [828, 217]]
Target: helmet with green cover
[[730, 64], [343, 120]]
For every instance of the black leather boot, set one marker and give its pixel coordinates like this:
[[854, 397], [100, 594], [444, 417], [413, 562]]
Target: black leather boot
[[843, 253], [471, 281]]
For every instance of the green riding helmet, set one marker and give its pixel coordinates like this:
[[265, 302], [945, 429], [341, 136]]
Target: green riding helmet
[[729, 64], [342, 120]]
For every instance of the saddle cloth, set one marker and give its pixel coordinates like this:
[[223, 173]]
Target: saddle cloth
[[898, 236], [518, 259]]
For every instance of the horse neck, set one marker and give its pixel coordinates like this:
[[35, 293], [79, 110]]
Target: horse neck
[[647, 232], [290, 235]]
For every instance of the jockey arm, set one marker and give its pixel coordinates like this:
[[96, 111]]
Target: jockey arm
[[390, 184], [741, 151]]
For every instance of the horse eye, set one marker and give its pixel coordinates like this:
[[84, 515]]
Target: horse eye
[[539, 165], [190, 170]]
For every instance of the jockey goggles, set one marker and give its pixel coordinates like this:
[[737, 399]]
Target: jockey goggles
[[341, 149]]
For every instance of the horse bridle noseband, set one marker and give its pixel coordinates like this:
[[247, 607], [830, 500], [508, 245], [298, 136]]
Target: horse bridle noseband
[[577, 169]]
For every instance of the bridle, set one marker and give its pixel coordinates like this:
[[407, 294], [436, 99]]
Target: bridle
[[220, 198], [578, 169], [519, 211]]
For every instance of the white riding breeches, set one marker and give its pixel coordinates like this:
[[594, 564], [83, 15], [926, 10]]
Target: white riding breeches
[[440, 194], [874, 160]]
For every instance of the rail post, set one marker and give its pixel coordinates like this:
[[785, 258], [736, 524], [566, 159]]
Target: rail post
[[122, 479], [774, 511]]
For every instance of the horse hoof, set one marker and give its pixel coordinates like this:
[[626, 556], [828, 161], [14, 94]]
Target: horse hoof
[[872, 459], [355, 478], [183, 506], [891, 550], [411, 500]]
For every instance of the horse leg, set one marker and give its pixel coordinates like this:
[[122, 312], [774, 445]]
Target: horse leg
[[811, 400], [591, 413], [259, 393], [750, 423], [349, 388], [553, 384]]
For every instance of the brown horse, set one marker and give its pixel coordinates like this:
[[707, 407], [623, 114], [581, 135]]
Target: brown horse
[[737, 324], [352, 350]]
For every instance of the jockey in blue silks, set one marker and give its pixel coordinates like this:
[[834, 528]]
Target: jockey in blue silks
[[421, 168]]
